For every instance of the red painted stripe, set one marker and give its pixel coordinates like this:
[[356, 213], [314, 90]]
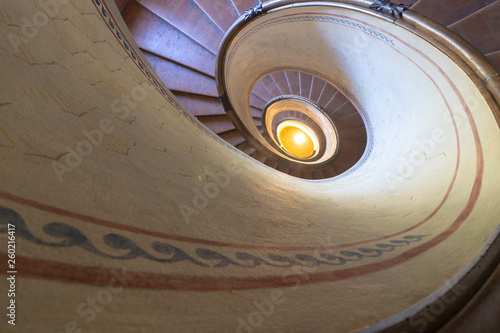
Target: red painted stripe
[[115, 225]]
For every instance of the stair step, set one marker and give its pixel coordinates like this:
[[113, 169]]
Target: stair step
[[448, 12], [121, 4], [318, 174], [246, 147], [349, 154], [257, 102], [258, 122], [294, 172], [243, 145], [256, 113], [481, 28], [305, 84], [249, 151], [329, 172], [281, 82], [343, 111], [186, 16], [353, 120], [243, 5], [200, 105], [232, 137], [283, 168], [222, 12], [407, 2], [316, 88], [260, 91], [166, 41], [306, 174], [181, 78], [293, 82], [495, 59], [271, 86], [354, 134], [271, 163], [337, 101], [218, 124], [259, 157], [326, 94]]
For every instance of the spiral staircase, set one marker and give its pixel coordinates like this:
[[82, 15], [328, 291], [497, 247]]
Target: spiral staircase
[[196, 28], [125, 207], [198, 37]]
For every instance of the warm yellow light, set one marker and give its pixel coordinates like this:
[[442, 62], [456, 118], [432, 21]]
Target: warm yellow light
[[297, 139], [300, 138]]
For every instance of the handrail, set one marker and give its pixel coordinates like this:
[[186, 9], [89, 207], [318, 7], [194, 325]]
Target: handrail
[[449, 42]]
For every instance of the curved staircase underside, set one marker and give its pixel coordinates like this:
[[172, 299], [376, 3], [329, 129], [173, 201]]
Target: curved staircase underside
[[131, 216]]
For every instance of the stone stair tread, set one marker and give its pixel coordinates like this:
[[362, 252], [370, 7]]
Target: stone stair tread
[[256, 113], [354, 134], [318, 174], [271, 86], [217, 123], [306, 174], [200, 105], [351, 121], [243, 5], [316, 88], [260, 91], [121, 4], [326, 94], [294, 172], [257, 121], [249, 151], [481, 28], [349, 154], [329, 171], [281, 82], [448, 12], [233, 137], [271, 163], [257, 102], [495, 59], [344, 110], [293, 82], [188, 17], [335, 102], [259, 156], [192, 81], [305, 84], [221, 12], [283, 168], [167, 41]]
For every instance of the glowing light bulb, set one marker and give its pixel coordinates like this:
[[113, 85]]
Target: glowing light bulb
[[299, 138]]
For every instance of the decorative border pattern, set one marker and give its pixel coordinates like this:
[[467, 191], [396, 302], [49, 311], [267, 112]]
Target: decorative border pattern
[[294, 17], [166, 253]]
